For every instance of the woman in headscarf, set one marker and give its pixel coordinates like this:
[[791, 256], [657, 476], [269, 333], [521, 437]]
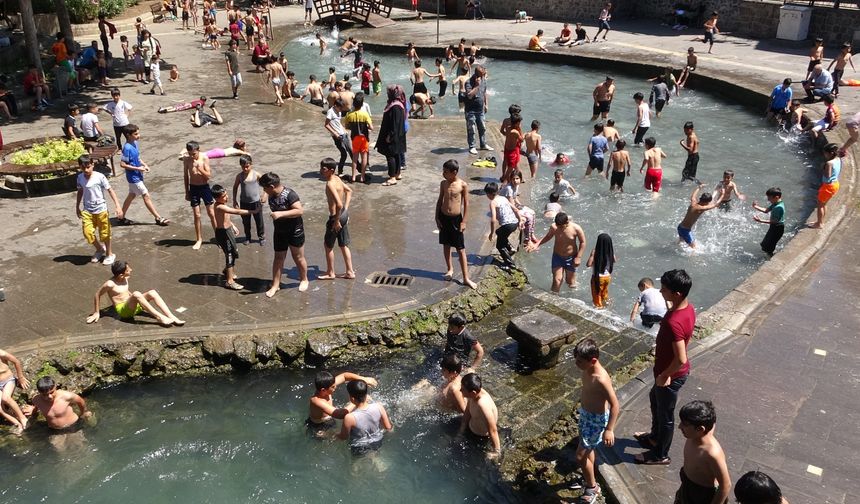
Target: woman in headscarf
[[391, 141]]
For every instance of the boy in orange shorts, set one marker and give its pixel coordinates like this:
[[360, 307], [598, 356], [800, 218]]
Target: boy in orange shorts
[[359, 124], [513, 141], [92, 186], [829, 182]]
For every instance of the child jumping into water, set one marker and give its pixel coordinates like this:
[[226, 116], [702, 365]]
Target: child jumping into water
[[603, 259]]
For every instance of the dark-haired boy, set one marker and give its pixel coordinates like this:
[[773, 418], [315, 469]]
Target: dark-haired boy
[[643, 118], [452, 207], [360, 124], [598, 413], [196, 174], [460, 342], [57, 408], [128, 303], [619, 165], [225, 233], [70, 127], [321, 410], [698, 206], [776, 223], [690, 143], [481, 415], [289, 232], [652, 159], [533, 147], [92, 186], [597, 147], [363, 425], [705, 476], [338, 196], [671, 367], [567, 250], [134, 169], [450, 397]]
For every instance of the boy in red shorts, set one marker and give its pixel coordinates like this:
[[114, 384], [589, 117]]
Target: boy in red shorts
[[652, 160], [513, 141]]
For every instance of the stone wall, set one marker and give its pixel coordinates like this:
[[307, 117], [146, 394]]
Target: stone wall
[[559, 10]]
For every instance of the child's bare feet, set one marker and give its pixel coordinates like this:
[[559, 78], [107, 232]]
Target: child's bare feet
[[303, 285], [471, 284], [349, 275], [448, 275], [197, 245], [327, 276], [271, 292], [177, 321]]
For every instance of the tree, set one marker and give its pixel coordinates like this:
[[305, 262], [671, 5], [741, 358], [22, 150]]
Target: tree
[[31, 39], [65, 22]]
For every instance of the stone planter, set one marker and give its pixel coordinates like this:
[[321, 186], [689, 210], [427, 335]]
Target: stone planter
[[41, 187]]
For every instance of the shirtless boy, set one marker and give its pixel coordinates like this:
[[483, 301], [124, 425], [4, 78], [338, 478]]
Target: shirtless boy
[[724, 190], [314, 90], [690, 143], [603, 94], [481, 416], [8, 380], [619, 162], [57, 406], [610, 132], [698, 206], [598, 412], [841, 61], [690, 67], [420, 103], [338, 196], [450, 396], [533, 147], [196, 174], [816, 56], [277, 76], [321, 410], [452, 207], [513, 141], [705, 476], [652, 160], [128, 303], [711, 30], [567, 250], [322, 42], [417, 78]]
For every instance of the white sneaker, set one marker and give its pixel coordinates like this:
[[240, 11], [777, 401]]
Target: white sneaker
[[473, 151], [97, 257], [108, 260], [487, 148]]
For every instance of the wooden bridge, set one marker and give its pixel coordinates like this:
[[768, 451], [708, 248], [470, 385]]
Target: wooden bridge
[[373, 13]]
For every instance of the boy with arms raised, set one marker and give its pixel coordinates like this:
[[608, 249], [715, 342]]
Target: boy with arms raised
[[567, 250], [704, 477], [338, 196], [225, 234], [289, 232], [481, 415], [363, 425], [598, 412], [321, 410], [452, 206], [725, 188], [697, 207]]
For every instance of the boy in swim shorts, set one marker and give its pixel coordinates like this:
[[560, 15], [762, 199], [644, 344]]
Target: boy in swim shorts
[[225, 234], [452, 207], [697, 207], [597, 147], [652, 160], [376, 74], [196, 175], [705, 474], [128, 303], [619, 164], [513, 140], [567, 250], [690, 143], [533, 147], [359, 124], [598, 412]]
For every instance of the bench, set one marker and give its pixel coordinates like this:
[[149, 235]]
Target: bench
[[540, 336], [28, 172], [157, 14]]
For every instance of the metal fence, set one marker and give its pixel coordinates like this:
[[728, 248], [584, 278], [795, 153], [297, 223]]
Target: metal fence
[[835, 4]]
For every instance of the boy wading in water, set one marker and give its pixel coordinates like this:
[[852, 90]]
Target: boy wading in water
[[566, 251], [619, 162], [289, 232], [533, 141], [690, 143], [697, 207], [705, 476], [196, 174], [776, 228], [338, 195], [321, 410], [452, 207], [653, 161], [598, 412], [481, 416], [57, 406], [364, 425]]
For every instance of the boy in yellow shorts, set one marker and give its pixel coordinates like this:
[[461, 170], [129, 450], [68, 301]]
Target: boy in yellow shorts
[[359, 124], [95, 217]]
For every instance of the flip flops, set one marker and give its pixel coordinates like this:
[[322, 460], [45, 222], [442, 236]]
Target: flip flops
[[161, 221], [648, 458]]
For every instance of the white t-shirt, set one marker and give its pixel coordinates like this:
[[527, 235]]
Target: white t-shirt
[[333, 117], [646, 115], [561, 188], [155, 71], [119, 111], [94, 192], [652, 302], [88, 125]]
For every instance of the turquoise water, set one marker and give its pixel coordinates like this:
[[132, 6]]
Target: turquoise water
[[241, 439], [643, 230]]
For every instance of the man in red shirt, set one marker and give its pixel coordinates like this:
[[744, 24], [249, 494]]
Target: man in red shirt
[[671, 367]]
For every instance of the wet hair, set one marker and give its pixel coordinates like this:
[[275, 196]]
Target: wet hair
[[192, 146], [558, 172], [130, 129], [73, 107], [598, 128], [347, 85], [452, 363], [773, 192], [540, 32], [831, 148], [819, 40], [233, 43], [645, 283], [553, 198], [586, 349], [610, 122], [786, 82], [358, 101], [691, 49], [417, 63], [114, 91], [535, 124], [757, 487], [638, 96], [705, 198], [46, 383], [699, 414], [650, 142], [457, 320], [85, 160], [604, 254], [92, 105], [323, 380], [366, 66], [561, 219], [245, 160], [729, 173], [118, 268], [472, 382], [620, 144], [451, 165], [677, 280], [610, 78], [291, 74], [357, 390], [270, 179], [339, 103], [328, 163], [516, 119], [375, 63], [60, 36], [239, 144], [492, 188], [688, 125], [514, 109], [312, 77], [828, 99], [332, 70], [438, 61], [218, 190]]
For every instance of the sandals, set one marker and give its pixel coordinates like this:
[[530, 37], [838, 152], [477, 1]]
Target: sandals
[[124, 222], [161, 221], [388, 183], [590, 494], [234, 286], [644, 439], [648, 458]]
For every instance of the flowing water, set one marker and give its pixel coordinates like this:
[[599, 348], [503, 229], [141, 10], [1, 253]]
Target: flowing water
[[732, 137], [242, 439]]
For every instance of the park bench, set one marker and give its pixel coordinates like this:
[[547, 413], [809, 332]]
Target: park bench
[[28, 172], [157, 14]]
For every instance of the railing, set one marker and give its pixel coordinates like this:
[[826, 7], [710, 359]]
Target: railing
[[356, 9], [835, 4]]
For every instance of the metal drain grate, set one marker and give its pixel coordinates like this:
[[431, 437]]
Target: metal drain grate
[[380, 279]]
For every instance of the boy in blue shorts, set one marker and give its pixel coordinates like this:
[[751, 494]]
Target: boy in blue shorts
[[698, 206], [598, 412], [196, 174]]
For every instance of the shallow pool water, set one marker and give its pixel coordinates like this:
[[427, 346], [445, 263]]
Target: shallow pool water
[[224, 439], [643, 230]]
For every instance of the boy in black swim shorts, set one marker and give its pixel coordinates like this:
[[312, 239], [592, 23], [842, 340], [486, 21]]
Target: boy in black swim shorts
[[451, 209], [289, 232]]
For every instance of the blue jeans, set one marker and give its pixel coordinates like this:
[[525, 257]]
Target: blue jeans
[[663, 401], [475, 119]]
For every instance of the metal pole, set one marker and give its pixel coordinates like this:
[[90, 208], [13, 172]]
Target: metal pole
[[437, 20]]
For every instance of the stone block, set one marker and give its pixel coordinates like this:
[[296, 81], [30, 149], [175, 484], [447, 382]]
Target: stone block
[[245, 351], [220, 347], [323, 345], [540, 335]]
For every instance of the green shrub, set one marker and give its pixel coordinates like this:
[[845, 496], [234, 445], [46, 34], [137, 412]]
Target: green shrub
[[82, 11]]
